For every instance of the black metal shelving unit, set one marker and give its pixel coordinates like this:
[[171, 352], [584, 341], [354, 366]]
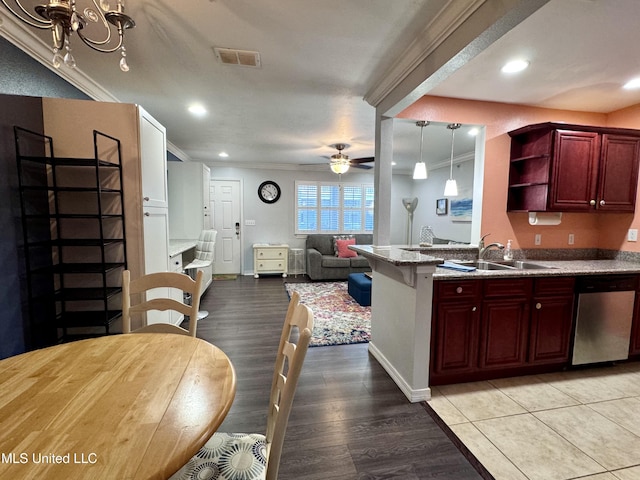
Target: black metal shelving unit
[[74, 234]]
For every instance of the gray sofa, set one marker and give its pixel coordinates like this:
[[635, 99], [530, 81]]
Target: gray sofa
[[322, 263]]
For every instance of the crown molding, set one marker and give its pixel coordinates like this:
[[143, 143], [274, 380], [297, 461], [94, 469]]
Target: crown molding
[[446, 21], [23, 37]]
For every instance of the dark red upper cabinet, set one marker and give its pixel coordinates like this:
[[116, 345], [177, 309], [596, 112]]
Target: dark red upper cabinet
[[559, 167]]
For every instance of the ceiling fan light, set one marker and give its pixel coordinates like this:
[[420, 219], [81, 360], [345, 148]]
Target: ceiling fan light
[[420, 171], [339, 167], [451, 188]]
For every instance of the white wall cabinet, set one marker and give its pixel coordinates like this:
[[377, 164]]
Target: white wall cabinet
[[189, 199]]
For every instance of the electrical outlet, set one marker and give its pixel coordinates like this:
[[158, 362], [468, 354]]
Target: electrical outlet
[[250, 223], [572, 239], [632, 236], [538, 239]]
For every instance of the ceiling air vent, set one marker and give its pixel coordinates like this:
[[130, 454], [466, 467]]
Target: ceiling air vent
[[231, 56]]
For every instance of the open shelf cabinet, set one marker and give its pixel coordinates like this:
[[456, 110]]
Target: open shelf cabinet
[[73, 233]]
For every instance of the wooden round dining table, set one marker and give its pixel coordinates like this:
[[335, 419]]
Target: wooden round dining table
[[118, 407]]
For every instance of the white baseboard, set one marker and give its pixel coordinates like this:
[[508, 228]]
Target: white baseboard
[[414, 395]]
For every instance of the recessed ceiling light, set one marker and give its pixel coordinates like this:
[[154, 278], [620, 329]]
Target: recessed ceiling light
[[223, 154], [632, 84], [197, 110], [514, 66]]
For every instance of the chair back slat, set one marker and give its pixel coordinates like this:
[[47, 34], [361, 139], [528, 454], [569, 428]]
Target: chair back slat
[[146, 283]]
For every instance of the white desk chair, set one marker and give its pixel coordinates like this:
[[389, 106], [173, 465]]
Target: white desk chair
[[204, 257]]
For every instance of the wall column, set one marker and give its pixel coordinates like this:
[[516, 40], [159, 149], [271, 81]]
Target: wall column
[[382, 180]]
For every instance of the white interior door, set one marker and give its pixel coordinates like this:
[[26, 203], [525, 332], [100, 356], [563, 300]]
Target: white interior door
[[225, 207]]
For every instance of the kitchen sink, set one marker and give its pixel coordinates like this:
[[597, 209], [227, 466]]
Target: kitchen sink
[[522, 264], [503, 265]]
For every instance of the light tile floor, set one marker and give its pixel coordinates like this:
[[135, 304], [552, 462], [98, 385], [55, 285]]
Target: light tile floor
[[578, 424]]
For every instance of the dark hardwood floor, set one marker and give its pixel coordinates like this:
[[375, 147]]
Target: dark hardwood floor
[[349, 419]]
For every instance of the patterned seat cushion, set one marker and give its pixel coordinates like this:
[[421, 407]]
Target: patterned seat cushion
[[228, 456]]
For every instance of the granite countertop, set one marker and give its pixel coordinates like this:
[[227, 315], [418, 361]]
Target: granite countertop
[[407, 255], [396, 255], [558, 268]]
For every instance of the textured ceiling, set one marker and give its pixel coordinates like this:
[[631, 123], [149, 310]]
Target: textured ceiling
[[320, 58]]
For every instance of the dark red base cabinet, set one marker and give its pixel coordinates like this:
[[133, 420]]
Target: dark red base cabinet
[[551, 320], [493, 328], [505, 323], [456, 319]]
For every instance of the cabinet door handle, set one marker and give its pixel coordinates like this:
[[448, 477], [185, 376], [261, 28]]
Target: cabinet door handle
[[473, 309], [147, 214], [538, 306], [459, 290], [601, 202], [146, 199], [592, 203]]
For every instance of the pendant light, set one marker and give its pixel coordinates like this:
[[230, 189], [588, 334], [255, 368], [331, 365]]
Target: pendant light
[[451, 187], [420, 170]]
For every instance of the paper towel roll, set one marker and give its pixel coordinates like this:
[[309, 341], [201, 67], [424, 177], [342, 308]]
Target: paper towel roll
[[536, 218]]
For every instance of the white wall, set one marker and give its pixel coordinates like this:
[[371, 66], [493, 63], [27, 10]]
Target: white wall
[[275, 222]]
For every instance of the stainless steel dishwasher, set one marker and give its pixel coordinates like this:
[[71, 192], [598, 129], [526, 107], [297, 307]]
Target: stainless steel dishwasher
[[603, 321]]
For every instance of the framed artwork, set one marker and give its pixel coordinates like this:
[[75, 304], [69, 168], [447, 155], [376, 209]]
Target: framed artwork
[[461, 209], [441, 206]]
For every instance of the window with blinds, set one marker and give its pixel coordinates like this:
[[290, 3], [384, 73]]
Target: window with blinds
[[334, 207]]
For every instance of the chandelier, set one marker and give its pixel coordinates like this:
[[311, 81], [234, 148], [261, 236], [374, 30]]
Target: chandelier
[[96, 27]]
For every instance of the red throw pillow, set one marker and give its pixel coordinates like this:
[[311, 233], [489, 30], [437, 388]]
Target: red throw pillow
[[343, 248]]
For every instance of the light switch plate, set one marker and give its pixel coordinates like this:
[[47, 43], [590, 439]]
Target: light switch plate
[[633, 235], [538, 239], [572, 239], [250, 223]]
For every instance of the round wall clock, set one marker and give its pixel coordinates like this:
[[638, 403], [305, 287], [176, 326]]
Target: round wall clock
[[269, 191]]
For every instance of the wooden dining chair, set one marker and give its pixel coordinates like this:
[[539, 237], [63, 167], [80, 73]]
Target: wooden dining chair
[[142, 285], [241, 456]]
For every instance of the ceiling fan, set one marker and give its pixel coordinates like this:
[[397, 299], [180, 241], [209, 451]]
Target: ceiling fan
[[340, 163]]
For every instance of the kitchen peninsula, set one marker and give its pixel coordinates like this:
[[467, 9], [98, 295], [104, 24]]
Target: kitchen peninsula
[[401, 296], [533, 328]]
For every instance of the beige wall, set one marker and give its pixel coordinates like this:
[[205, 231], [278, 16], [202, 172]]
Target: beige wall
[[591, 230]]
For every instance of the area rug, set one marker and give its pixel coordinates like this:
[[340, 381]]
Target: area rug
[[338, 318]]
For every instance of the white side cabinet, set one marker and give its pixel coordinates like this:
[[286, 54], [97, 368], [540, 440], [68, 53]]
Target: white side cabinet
[[155, 206], [270, 258]]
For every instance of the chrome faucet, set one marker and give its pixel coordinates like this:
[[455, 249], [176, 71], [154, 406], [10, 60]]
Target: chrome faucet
[[485, 248]]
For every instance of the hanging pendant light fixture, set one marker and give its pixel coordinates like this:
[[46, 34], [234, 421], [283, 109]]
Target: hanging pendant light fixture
[[94, 22], [451, 187], [420, 169]]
